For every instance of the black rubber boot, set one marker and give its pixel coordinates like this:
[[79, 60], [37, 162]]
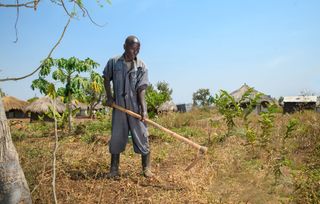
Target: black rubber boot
[[114, 169], [146, 165]]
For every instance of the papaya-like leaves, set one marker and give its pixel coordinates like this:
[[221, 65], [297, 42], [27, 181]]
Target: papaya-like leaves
[[59, 75]]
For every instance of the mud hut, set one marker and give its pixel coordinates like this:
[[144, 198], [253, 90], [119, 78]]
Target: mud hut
[[263, 102], [168, 106], [14, 108], [40, 107]]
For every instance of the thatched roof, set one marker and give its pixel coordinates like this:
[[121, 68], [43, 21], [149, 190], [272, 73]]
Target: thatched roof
[[168, 106], [12, 103], [42, 105], [237, 94], [76, 104]]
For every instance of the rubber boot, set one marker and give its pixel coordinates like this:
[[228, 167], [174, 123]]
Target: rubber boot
[[114, 169], [146, 165]]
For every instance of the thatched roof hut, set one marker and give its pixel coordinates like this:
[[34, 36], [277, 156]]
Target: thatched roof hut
[[14, 108], [41, 106], [168, 106], [11, 103], [237, 94], [262, 102]]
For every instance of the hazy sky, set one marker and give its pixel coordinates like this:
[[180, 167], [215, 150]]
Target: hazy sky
[[272, 45]]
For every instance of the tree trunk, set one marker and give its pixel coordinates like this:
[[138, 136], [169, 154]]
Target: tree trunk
[[69, 104], [13, 185], [90, 110], [69, 116]]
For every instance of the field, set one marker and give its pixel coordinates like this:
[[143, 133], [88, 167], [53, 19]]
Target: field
[[280, 165]]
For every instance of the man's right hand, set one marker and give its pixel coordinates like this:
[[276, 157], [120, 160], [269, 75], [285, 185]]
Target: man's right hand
[[110, 101]]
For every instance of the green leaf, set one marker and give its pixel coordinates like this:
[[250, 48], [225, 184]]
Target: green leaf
[[59, 75], [44, 70], [40, 84]]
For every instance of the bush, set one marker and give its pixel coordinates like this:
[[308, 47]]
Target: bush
[[80, 129], [156, 97], [18, 135], [88, 138]]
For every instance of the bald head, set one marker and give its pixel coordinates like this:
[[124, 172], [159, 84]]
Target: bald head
[[130, 40], [131, 47]]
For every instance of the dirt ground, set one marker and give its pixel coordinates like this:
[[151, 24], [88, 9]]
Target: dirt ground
[[232, 171]]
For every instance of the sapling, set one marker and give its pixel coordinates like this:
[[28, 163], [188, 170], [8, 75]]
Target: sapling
[[228, 108], [267, 123], [282, 160]]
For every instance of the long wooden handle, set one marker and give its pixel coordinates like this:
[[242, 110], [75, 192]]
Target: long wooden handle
[[201, 149]]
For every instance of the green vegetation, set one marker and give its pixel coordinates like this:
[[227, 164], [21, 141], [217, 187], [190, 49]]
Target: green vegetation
[[157, 96], [93, 91], [67, 72], [267, 123], [202, 98], [228, 107]]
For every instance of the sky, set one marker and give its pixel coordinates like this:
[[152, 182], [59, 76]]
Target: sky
[[271, 45]]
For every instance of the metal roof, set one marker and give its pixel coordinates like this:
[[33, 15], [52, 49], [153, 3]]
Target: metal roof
[[300, 99]]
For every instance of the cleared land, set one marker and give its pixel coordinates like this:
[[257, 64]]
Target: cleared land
[[235, 170]]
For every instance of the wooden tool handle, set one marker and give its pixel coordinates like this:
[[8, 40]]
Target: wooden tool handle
[[201, 149]]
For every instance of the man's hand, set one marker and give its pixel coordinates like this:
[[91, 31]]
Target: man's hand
[[144, 115], [110, 101]]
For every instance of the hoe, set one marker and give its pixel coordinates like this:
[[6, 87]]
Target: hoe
[[201, 149]]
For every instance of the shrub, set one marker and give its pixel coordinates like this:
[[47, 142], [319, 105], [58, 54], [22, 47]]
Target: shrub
[[88, 138]]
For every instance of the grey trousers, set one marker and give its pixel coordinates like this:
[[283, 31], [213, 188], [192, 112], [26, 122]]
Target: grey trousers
[[121, 125]]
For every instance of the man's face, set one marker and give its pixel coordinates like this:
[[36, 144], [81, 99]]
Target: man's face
[[131, 51]]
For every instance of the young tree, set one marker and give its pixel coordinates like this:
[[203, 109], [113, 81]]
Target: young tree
[[202, 97], [67, 72], [93, 91], [228, 107], [164, 90], [156, 97]]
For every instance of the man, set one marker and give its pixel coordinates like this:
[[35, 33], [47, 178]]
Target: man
[[129, 78]]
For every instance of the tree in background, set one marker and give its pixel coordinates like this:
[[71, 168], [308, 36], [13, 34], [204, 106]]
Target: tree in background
[[156, 97], [93, 91], [307, 92], [280, 100], [67, 72], [202, 97]]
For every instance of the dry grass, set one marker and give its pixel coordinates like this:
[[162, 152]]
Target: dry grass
[[231, 172], [42, 105]]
